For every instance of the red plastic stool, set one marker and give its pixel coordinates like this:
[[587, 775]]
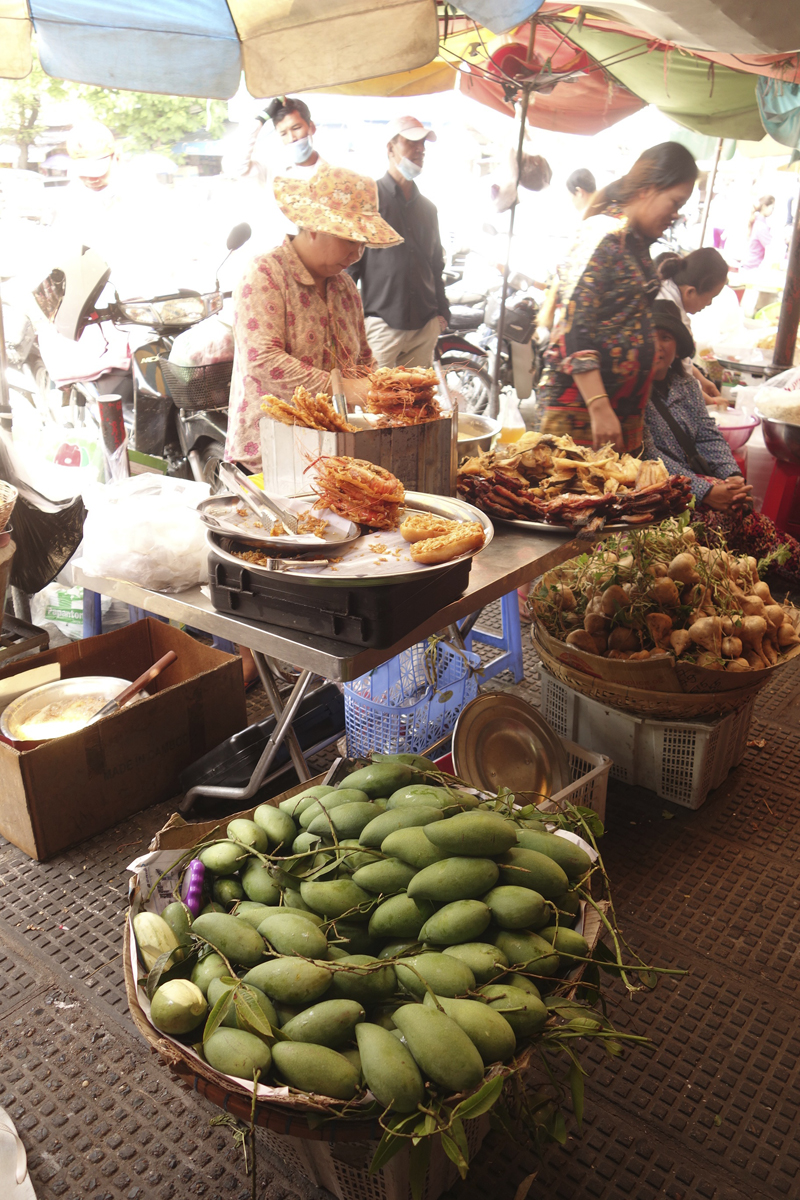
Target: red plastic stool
[[782, 501]]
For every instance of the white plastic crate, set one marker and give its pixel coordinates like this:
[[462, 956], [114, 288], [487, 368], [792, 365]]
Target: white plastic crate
[[681, 761], [589, 785]]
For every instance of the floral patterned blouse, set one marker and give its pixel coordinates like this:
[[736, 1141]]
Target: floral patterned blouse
[[286, 335], [686, 404], [607, 287]]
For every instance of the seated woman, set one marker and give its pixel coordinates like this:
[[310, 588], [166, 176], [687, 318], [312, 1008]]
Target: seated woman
[[297, 313], [679, 431]]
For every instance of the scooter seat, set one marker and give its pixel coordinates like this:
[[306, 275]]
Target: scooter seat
[[462, 317]]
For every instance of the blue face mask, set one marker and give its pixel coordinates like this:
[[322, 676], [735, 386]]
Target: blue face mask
[[301, 149], [408, 169]]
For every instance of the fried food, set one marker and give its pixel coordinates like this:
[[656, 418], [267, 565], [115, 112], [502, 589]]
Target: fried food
[[359, 491], [425, 525], [311, 412], [465, 537], [403, 396]]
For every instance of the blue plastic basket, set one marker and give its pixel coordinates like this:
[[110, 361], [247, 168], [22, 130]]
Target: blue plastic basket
[[394, 709]]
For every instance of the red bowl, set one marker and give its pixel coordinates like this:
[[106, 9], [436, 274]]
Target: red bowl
[[737, 435]]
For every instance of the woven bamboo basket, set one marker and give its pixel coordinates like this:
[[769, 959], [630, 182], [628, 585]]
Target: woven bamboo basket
[[8, 498], [649, 702]]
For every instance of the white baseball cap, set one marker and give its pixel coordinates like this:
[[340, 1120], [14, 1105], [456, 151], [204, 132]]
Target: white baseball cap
[[412, 129]]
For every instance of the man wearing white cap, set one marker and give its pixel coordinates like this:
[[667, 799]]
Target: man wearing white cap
[[402, 290]]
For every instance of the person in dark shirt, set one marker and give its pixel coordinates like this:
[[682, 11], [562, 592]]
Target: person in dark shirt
[[402, 291]]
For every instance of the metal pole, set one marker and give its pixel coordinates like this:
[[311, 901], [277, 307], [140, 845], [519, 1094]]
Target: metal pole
[[4, 400], [710, 191], [786, 337]]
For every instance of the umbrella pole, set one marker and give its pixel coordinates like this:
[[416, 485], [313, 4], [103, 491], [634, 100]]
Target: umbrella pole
[[712, 179], [4, 399], [786, 337]]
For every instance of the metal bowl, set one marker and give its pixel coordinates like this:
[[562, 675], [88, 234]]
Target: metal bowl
[[781, 439], [56, 709], [475, 433]]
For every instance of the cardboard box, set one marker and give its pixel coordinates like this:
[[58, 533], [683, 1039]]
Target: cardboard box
[[423, 457], [65, 791]]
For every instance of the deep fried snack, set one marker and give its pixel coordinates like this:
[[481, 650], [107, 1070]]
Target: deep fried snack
[[465, 538], [403, 396], [312, 412], [420, 526], [359, 491]]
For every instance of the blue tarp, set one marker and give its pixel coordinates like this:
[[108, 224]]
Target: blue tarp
[[500, 15], [779, 107], [181, 47]]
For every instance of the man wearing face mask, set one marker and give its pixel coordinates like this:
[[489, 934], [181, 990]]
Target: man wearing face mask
[[255, 157], [402, 290]]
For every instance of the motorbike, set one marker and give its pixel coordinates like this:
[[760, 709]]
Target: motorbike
[[469, 347], [26, 374], [177, 414]]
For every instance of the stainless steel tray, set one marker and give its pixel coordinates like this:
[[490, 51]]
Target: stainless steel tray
[[229, 516], [416, 502], [549, 527], [500, 741], [89, 692]]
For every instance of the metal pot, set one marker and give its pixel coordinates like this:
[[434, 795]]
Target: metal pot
[[781, 439], [475, 434]]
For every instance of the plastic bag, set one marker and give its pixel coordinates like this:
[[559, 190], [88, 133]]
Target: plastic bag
[[210, 341], [147, 530]]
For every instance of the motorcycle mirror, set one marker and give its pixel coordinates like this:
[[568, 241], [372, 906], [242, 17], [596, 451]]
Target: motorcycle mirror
[[238, 236]]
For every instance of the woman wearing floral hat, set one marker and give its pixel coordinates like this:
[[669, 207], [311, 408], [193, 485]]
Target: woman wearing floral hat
[[297, 313]]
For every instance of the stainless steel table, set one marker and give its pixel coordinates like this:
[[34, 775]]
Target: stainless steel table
[[514, 557]]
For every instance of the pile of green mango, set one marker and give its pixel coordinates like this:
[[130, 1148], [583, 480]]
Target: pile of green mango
[[400, 936]]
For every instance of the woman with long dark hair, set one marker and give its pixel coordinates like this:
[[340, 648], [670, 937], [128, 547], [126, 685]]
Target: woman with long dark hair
[[692, 282], [600, 356]]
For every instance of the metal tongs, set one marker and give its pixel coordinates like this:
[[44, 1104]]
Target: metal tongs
[[257, 501], [338, 399]]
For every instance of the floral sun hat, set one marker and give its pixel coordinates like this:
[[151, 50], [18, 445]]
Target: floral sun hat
[[335, 200]]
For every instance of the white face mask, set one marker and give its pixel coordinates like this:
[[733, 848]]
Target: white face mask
[[301, 149], [408, 169]]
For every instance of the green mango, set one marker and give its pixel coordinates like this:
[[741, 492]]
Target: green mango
[[524, 984], [234, 938], [218, 987], [316, 1069], [487, 1029], [473, 834], [485, 961], [178, 1006], [454, 879], [297, 804], [294, 935], [237, 1052], [293, 899], [330, 1023], [384, 877], [399, 917], [568, 905], [363, 978], [530, 869], [305, 841], [574, 861], [354, 1058], [211, 907], [274, 910], [179, 919], [525, 1013], [278, 826], [426, 795], [209, 967], [347, 820], [242, 830], [440, 1047], [525, 949], [517, 907], [566, 941], [331, 801], [393, 819], [417, 762], [252, 912], [443, 974], [335, 952], [227, 890], [259, 884], [351, 937], [398, 949], [225, 858], [290, 980], [333, 898], [352, 855], [460, 921], [379, 779], [411, 844], [389, 1070]]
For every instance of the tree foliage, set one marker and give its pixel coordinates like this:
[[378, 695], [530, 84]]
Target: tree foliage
[[141, 121]]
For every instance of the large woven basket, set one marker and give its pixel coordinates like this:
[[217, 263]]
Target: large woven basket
[[649, 702], [8, 498]]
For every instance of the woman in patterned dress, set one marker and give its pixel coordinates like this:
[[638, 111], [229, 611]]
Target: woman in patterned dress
[[600, 357], [297, 313]]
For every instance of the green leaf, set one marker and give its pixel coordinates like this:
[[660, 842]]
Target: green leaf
[[389, 1145], [479, 1103], [453, 1152], [418, 1163], [605, 959], [218, 1014], [558, 1128], [523, 1189], [159, 968], [576, 1087], [460, 1138], [248, 1013]]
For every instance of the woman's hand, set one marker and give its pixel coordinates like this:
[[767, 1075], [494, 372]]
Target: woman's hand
[[726, 494], [605, 425], [355, 391], [711, 392]]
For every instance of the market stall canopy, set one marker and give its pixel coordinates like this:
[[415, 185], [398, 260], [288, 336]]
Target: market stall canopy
[[200, 47]]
